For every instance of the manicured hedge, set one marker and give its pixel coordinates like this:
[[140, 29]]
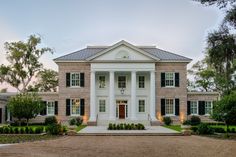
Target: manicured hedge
[[21, 130], [124, 126]]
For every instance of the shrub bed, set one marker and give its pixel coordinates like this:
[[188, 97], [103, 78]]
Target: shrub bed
[[76, 121], [124, 126], [21, 130], [167, 120]]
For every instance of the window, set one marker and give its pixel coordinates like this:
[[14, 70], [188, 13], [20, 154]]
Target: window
[[169, 79], [141, 82], [193, 107], [75, 79], [169, 106], [102, 105], [121, 82], [75, 107], [101, 82], [141, 106], [50, 108], [208, 107]]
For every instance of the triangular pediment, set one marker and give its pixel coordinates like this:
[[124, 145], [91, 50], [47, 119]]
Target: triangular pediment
[[122, 51]]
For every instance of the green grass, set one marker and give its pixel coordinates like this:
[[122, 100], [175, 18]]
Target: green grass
[[174, 127], [4, 139], [80, 127]]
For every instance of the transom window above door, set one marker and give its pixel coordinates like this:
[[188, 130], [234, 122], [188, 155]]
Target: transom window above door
[[121, 81], [101, 82]]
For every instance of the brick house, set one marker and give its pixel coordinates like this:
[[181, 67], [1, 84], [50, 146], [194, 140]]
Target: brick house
[[123, 83]]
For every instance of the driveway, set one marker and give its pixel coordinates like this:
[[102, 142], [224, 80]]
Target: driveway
[[117, 146]]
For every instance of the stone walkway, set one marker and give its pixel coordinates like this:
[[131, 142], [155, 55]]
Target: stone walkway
[[149, 130]]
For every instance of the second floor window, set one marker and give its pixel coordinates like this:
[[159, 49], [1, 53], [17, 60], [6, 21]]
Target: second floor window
[[101, 82], [121, 81], [169, 79], [141, 82], [75, 79]]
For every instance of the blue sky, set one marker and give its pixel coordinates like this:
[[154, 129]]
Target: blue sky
[[179, 26]]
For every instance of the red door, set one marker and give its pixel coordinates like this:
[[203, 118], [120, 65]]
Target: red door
[[121, 111]]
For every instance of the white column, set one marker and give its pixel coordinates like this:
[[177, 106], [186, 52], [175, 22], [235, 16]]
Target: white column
[[152, 96], [133, 95], [92, 97], [112, 104]]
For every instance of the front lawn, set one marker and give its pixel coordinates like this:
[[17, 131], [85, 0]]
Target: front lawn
[[174, 127], [80, 127], [5, 139]]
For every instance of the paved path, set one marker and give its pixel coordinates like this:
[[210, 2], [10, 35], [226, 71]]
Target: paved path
[[149, 129], [123, 146]]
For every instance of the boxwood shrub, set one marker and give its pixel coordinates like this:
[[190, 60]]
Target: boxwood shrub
[[124, 126]]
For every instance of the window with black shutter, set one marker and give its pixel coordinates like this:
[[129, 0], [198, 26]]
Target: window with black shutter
[[201, 107], [162, 79], [163, 107], [82, 108], [176, 79], [56, 108], [67, 107], [176, 107]]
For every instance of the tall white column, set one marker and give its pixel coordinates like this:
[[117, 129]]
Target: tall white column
[[92, 97], [133, 95], [112, 104], [152, 96]]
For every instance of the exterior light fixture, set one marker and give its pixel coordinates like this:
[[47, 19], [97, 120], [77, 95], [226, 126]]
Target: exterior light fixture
[[122, 91]]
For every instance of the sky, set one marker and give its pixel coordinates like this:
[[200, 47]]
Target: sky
[[179, 26]]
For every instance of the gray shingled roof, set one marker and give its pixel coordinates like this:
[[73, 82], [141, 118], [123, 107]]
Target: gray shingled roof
[[89, 52]]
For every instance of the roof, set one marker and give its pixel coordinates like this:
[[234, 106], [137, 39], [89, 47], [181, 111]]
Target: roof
[[90, 51]]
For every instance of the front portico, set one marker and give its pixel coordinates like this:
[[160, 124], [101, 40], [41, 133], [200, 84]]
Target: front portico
[[123, 100]]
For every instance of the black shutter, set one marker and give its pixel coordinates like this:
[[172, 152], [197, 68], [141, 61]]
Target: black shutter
[[188, 108], [56, 108], [44, 110], [1, 115], [68, 107], [176, 107], [81, 79], [163, 78], [201, 107], [176, 79], [82, 107], [67, 79], [163, 108], [5, 113]]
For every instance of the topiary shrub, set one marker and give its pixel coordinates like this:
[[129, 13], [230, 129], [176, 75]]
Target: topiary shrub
[[16, 130], [50, 120], [187, 122], [38, 130], [31, 131], [6, 130], [22, 130], [194, 128], [233, 130], [110, 126], [11, 130], [27, 130], [55, 129], [121, 126], [195, 120], [1, 130], [167, 120], [76, 121], [204, 129]]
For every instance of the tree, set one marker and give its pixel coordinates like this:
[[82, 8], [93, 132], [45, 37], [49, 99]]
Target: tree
[[24, 62], [225, 110], [219, 3], [203, 76], [25, 106], [47, 81]]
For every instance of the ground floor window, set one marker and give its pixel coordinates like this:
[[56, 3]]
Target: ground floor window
[[50, 108], [193, 107], [102, 105], [141, 106], [208, 107], [75, 107], [169, 106]]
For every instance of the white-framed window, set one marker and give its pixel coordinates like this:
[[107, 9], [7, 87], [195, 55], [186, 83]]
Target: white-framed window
[[75, 79], [141, 105], [50, 108], [101, 82], [141, 81], [102, 105], [193, 107], [169, 107], [169, 79], [121, 81], [208, 107], [75, 107]]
